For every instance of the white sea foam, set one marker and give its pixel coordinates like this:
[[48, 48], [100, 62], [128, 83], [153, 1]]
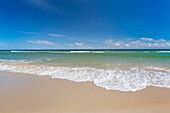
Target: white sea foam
[[80, 51], [157, 51], [163, 51], [40, 51], [87, 51], [21, 51], [16, 61], [25, 61], [57, 51], [130, 79]]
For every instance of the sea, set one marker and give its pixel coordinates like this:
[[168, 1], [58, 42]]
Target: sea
[[112, 69]]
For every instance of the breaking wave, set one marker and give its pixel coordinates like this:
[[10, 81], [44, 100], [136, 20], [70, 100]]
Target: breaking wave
[[57, 51], [90, 51], [122, 79]]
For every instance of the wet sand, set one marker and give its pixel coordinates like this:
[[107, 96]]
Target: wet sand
[[21, 93]]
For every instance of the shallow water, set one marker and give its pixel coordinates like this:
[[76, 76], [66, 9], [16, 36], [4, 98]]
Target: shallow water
[[124, 70]]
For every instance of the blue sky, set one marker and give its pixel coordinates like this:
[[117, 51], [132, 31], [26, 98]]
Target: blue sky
[[56, 24]]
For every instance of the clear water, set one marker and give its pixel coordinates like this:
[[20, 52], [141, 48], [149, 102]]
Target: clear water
[[124, 70]]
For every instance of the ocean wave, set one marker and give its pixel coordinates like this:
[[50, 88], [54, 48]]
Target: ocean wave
[[15, 61], [129, 79], [87, 51], [57, 51], [156, 51], [90, 51], [162, 51], [24, 61], [40, 52]]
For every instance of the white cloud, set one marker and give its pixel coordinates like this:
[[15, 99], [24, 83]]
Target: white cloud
[[138, 44], [156, 45], [147, 39], [78, 44], [160, 40], [114, 44], [117, 44], [43, 42], [55, 35], [152, 40]]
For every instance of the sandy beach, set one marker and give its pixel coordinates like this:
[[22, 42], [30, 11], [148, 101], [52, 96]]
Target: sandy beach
[[21, 93], [84, 56]]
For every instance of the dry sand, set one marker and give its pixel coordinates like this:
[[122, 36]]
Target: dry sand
[[21, 93]]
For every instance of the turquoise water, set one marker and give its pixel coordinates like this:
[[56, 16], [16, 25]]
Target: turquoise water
[[80, 58], [125, 70]]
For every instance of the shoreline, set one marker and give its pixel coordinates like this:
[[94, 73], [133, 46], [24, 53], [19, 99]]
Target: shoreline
[[41, 94], [131, 78]]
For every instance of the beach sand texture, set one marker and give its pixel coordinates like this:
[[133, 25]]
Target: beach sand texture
[[20, 93]]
